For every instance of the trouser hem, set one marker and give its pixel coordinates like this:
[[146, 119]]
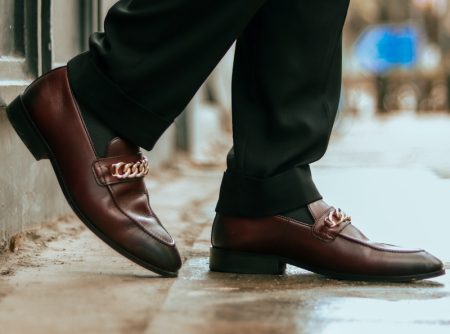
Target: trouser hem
[[246, 196]]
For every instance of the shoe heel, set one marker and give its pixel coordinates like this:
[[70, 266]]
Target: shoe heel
[[21, 122], [244, 263]]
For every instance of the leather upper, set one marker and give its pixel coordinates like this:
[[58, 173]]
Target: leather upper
[[342, 248]]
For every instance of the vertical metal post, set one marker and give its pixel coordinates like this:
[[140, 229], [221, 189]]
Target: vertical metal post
[[30, 40], [45, 36]]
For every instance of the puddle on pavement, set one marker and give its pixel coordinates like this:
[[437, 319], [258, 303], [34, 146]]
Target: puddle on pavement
[[300, 300]]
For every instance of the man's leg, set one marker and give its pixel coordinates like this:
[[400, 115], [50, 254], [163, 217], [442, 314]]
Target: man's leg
[[286, 89], [136, 78], [154, 55]]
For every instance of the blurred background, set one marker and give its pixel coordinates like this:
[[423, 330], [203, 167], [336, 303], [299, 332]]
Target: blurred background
[[397, 56], [395, 97]]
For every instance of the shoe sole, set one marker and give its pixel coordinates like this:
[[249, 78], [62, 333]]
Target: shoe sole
[[253, 263], [39, 148]]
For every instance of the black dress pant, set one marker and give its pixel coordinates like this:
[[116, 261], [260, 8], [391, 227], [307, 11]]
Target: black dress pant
[[140, 74]]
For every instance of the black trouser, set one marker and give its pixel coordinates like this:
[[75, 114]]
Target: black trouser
[[155, 54]]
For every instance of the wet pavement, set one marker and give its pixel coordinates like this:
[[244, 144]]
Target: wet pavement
[[63, 280]]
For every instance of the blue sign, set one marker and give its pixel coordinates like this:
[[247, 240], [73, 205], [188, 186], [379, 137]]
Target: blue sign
[[385, 47]]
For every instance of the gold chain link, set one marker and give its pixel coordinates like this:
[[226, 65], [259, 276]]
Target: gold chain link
[[336, 218], [131, 170]]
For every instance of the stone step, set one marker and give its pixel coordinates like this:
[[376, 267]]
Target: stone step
[[13, 68], [9, 89], [13, 78]]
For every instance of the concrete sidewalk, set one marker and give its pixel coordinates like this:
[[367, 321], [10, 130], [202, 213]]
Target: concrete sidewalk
[[64, 280]]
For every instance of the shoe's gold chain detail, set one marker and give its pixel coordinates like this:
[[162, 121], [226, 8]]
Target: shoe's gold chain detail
[[131, 170], [336, 218]]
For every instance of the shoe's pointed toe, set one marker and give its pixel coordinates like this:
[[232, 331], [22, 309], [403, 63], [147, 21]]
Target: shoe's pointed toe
[[431, 264], [153, 246], [167, 257]]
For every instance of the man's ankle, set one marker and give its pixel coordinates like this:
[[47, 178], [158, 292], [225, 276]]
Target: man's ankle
[[301, 214], [100, 134]]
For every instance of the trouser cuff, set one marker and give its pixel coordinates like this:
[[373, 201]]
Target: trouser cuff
[[245, 196], [104, 98]]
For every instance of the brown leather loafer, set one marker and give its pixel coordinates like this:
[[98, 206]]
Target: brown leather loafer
[[332, 247], [108, 194]]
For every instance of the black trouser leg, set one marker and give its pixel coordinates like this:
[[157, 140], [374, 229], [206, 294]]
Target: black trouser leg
[[286, 88], [154, 55]]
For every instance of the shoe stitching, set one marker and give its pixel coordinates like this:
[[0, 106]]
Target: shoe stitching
[[153, 234], [294, 221], [379, 248]]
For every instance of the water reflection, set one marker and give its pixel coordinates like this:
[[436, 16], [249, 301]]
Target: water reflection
[[301, 302]]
